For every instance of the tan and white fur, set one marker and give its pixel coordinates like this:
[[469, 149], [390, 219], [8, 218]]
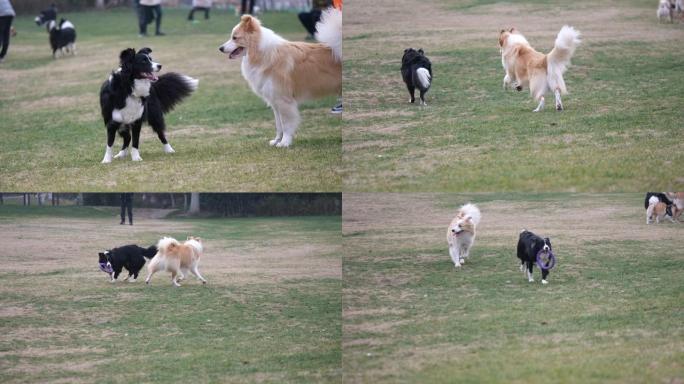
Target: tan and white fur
[[656, 211], [461, 233], [525, 67], [665, 10], [177, 258], [285, 73]]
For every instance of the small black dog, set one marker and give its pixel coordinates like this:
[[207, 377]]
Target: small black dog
[[416, 70], [131, 257], [529, 245], [62, 35], [134, 94]]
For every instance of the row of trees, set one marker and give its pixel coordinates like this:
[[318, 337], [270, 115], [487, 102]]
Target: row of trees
[[211, 204], [35, 6]]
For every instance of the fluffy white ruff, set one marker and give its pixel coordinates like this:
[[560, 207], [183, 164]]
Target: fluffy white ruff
[[559, 58], [67, 25], [329, 30], [424, 77]]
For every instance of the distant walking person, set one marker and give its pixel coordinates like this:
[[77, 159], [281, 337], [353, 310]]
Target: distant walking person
[[247, 8], [200, 5], [6, 16], [126, 205], [150, 10]]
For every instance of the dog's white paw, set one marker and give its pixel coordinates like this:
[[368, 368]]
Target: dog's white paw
[[457, 265], [168, 148], [544, 281], [530, 280], [284, 143], [122, 153], [107, 156], [273, 142], [462, 261], [135, 155]]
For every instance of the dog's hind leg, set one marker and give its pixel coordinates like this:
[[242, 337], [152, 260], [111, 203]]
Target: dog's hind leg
[[135, 128], [559, 102], [279, 128], [289, 115], [422, 97], [530, 276], [412, 93], [540, 106], [156, 119]]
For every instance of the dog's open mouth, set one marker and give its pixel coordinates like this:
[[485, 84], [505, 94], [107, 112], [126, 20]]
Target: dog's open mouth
[[236, 53], [149, 76]]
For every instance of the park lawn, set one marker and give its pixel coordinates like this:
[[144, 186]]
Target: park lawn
[[270, 312], [619, 130], [611, 313], [56, 137]]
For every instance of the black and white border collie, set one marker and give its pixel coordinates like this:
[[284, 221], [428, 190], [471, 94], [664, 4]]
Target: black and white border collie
[[134, 94], [529, 245], [416, 70], [131, 257], [62, 34]]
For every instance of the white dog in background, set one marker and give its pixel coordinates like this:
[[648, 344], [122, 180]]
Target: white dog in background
[[461, 233], [665, 10]]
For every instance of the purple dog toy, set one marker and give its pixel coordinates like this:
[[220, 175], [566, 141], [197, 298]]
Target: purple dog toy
[[106, 268], [551, 263]]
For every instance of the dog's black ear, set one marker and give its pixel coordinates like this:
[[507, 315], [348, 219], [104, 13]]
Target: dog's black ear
[[145, 50], [127, 56]]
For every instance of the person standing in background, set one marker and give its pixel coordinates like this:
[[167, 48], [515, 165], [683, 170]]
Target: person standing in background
[[6, 16], [201, 5], [247, 8], [309, 19], [126, 205], [151, 10]]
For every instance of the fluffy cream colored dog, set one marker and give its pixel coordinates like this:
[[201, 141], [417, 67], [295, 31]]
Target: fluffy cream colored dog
[[177, 258], [461, 233]]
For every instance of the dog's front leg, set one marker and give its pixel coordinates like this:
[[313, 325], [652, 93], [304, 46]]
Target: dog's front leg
[[559, 102], [530, 276], [112, 127], [545, 273], [455, 256], [196, 272], [279, 127], [135, 128]]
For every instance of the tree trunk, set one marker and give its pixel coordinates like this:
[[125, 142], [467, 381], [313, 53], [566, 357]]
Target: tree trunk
[[100, 4], [173, 201], [194, 203]]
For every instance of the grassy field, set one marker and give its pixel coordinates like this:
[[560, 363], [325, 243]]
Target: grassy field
[[621, 129], [611, 313], [270, 312], [50, 110]]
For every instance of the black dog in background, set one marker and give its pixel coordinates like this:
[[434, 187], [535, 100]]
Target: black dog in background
[[131, 257], [663, 199], [62, 34], [529, 245], [416, 70]]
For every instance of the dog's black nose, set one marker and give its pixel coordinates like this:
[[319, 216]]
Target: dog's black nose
[[221, 48], [160, 67]]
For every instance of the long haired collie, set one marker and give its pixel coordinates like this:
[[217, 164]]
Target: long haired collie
[[461, 233], [285, 73], [134, 94], [177, 258], [526, 67]]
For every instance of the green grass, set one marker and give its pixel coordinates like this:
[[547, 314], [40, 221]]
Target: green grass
[[62, 320], [611, 312], [616, 133], [50, 109]]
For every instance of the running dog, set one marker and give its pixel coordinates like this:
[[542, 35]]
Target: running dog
[[461, 233], [526, 67], [658, 207], [285, 73], [62, 34], [131, 257], [177, 258], [529, 246], [416, 70]]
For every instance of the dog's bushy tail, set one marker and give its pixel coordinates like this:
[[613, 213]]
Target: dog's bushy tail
[[329, 31], [559, 57], [150, 251], [167, 244], [473, 211], [424, 78], [172, 88]]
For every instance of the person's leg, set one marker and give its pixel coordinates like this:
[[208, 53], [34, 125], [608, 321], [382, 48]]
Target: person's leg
[[191, 15], [243, 7], [306, 18], [251, 7], [123, 209], [158, 18], [206, 13], [142, 19], [5, 25], [129, 206]]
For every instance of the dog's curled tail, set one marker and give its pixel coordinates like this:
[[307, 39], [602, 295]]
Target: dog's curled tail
[[150, 252], [473, 211], [424, 77], [172, 88], [166, 244], [559, 58], [329, 30]]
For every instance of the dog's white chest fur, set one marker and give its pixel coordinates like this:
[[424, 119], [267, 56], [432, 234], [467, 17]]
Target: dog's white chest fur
[[134, 108]]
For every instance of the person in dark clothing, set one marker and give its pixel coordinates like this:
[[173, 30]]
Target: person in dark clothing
[[309, 19], [6, 16], [247, 8], [150, 10], [200, 5], [126, 205]]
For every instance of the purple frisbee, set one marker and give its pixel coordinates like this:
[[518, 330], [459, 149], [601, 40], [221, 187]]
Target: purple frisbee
[[106, 269], [551, 263]]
